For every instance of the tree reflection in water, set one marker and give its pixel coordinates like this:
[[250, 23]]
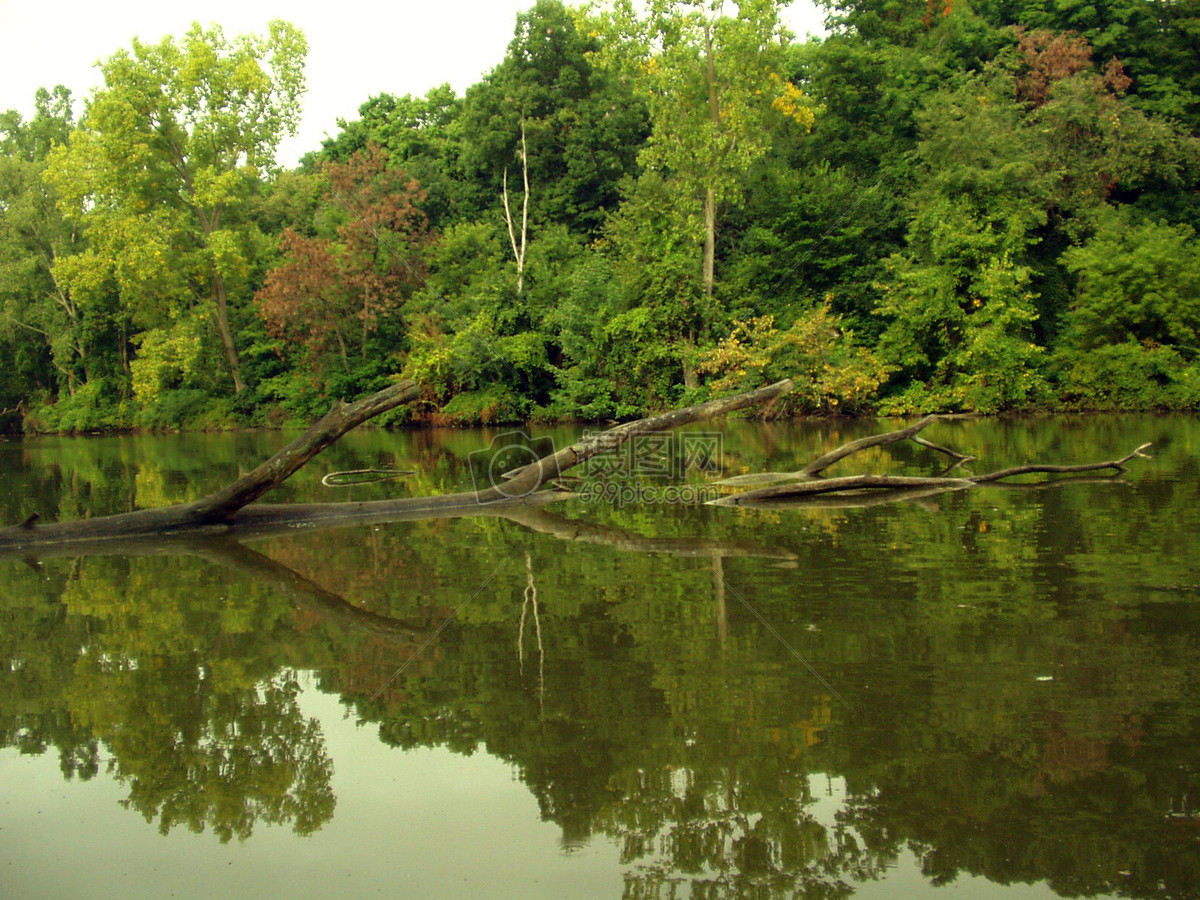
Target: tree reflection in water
[[1006, 706]]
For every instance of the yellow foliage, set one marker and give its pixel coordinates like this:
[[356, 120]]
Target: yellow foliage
[[792, 103], [832, 372], [166, 356]]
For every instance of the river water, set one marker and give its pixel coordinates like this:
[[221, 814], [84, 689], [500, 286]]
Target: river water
[[991, 693]]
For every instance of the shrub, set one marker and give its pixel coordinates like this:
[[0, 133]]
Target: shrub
[[95, 406], [832, 373]]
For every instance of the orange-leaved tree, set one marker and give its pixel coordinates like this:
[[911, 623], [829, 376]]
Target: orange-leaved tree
[[335, 300]]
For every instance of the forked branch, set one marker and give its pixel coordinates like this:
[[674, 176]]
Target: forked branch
[[821, 463], [804, 483]]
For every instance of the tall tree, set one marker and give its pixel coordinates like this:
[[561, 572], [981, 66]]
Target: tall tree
[[576, 126], [49, 320], [1014, 165], [715, 89], [421, 136], [715, 96], [1157, 44], [162, 166], [333, 292]]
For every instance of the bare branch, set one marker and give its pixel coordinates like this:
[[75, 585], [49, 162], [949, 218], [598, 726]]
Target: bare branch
[[819, 486], [518, 248], [953, 454], [1117, 464], [822, 463], [851, 483]]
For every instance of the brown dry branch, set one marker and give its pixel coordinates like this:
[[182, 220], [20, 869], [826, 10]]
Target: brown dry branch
[[806, 483]]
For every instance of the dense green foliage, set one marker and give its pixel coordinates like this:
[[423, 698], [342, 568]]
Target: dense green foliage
[[974, 205]]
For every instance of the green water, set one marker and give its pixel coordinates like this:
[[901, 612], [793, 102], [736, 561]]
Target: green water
[[992, 693]]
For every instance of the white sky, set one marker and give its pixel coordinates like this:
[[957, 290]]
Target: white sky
[[401, 47]]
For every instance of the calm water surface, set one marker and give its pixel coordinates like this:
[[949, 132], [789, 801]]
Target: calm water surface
[[980, 694]]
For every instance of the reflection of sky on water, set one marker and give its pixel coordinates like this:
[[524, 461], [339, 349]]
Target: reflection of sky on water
[[424, 823], [421, 823], [904, 878]]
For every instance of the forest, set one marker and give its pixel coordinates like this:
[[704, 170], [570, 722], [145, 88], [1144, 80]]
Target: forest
[[940, 206]]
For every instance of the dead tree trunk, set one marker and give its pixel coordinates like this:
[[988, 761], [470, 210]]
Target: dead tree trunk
[[232, 510], [518, 247], [340, 419], [215, 513], [807, 483]]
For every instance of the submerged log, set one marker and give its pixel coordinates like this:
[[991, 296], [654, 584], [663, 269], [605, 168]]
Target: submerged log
[[823, 462], [232, 509], [342, 417], [214, 514], [807, 482]]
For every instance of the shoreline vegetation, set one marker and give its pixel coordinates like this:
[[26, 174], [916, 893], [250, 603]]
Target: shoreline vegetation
[[415, 425], [953, 208]]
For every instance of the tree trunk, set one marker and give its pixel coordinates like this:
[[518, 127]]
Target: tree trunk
[[527, 479], [221, 301], [231, 513], [341, 418], [686, 361], [708, 274], [708, 261], [215, 513], [806, 483], [710, 194], [518, 245]]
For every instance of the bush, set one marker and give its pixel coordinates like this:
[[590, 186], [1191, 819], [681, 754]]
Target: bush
[[187, 408], [833, 374], [1128, 376], [490, 406], [96, 406], [586, 399]]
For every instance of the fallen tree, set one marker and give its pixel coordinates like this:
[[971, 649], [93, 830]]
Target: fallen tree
[[807, 482], [233, 510]]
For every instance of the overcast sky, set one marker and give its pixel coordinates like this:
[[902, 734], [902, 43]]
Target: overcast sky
[[355, 51]]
